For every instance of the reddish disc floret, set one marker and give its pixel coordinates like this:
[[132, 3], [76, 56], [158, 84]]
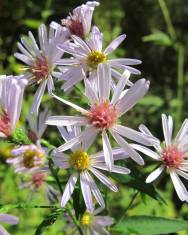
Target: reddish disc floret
[[38, 179], [5, 126], [40, 69], [103, 115], [75, 26], [172, 156]]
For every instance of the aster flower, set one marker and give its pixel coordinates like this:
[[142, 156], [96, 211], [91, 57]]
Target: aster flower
[[83, 166], [88, 55], [8, 219], [28, 158], [79, 21], [103, 115], [11, 95], [92, 223], [37, 124], [172, 156], [41, 60]]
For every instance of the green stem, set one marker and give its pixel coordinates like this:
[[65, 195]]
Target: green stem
[[47, 144], [128, 207], [167, 19], [68, 210], [25, 206], [180, 82]]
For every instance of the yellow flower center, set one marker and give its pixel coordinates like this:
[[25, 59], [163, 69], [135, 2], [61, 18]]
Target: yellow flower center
[[79, 160], [95, 58], [86, 219], [30, 156]]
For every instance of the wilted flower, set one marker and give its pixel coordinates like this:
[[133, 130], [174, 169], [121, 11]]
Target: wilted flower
[[27, 158], [41, 60], [8, 219], [92, 223], [83, 166], [88, 55], [79, 21], [172, 156], [11, 94], [103, 115], [37, 179]]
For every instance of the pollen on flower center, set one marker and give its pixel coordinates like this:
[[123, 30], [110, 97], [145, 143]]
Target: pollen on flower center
[[172, 156], [40, 69], [79, 160], [102, 115], [5, 126], [30, 156], [95, 58], [86, 219]]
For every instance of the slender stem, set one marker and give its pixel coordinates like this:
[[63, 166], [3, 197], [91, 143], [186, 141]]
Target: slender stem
[[74, 220], [167, 19], [180, 82], [25, 206], [128, 207], [68, 210]]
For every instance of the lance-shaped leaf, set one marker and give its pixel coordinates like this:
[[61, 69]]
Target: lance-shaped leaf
[[150, 225]]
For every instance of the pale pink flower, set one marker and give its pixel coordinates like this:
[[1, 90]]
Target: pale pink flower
[[103, 114], [41, 60], [27, 158], [83, 166], [11, 95], [172, 156], [8, 219], [88, 55]]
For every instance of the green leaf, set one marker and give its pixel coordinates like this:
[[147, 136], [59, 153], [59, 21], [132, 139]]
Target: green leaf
[[31, 23], [78, 202], [158, 38], [151, 100], [150, 225], [136, 180], [48, 221]]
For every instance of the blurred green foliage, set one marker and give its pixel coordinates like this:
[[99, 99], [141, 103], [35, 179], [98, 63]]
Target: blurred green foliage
[[151, 39]]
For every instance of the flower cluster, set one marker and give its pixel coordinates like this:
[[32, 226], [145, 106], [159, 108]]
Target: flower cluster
[[110, 94]]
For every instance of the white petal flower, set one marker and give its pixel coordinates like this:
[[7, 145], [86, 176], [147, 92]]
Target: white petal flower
[[172, 156], [102, 117], [83, 167], [41, 60], [92, 223], [88, 55], [11, 95], [79, 21]]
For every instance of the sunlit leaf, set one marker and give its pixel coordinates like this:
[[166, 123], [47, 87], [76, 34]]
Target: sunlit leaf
[[150, 225]]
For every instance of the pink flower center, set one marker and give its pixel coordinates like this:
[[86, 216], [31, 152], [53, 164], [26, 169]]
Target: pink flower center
[[172, 156], [102, 115], [38, 179], [5, 126], [74, 26], [40, 69]]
